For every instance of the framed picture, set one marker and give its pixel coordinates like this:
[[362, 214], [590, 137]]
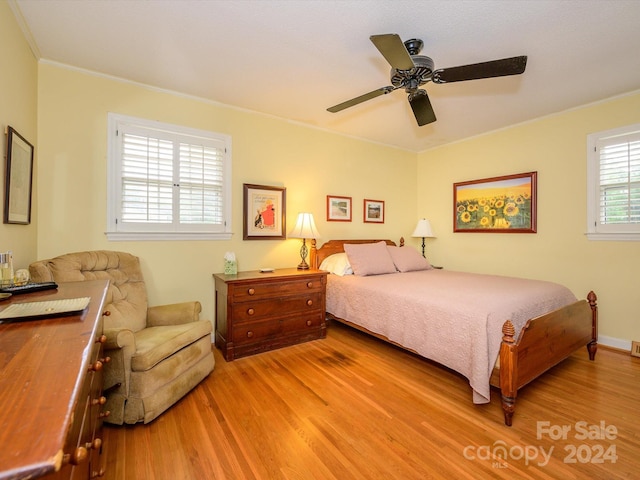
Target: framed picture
[[264, 212], [373, 211], [18, 179], [499, 204], [338, 209]]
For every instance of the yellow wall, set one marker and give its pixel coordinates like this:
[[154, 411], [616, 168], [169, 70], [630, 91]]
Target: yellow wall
[[18, 108], [310, 163], [555, 147]]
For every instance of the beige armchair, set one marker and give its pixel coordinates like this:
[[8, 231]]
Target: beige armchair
[[158, 354]]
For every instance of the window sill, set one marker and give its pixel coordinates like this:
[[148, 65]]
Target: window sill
[[166, 236], [614, 237]]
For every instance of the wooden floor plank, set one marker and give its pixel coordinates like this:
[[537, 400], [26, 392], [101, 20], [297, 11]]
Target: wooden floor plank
[[351, 406]]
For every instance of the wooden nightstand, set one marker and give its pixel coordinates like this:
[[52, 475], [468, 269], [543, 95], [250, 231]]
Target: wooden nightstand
[[256, 312]]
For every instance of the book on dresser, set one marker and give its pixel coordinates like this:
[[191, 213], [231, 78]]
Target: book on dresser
[[257, 311]]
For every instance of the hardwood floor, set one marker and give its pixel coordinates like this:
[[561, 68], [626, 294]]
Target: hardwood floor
[[353, 407]]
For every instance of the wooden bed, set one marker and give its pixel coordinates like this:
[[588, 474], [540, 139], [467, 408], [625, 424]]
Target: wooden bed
[[542, 343]]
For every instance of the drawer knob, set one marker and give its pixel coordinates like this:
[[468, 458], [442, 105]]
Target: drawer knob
[[104, 414], [99, 474], [78, 456], [101, 339], [309, 302], [250, 311], [251, 291], [96, 367], [107, 313], [249, 334], [99, 401], [309, 323], [95, 445], [309, 284]]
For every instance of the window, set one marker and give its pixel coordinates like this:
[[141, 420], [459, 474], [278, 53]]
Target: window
[[167, 182], [613, 173]]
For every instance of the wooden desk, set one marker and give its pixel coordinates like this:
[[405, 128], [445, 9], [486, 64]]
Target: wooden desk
[[51, 389]]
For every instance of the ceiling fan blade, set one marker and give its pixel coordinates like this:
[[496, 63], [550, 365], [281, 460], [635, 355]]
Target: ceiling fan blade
[[421, 106], [360, 99], [495, 68], [393, 50]]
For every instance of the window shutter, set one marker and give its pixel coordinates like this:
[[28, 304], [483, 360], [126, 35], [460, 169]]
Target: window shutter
[[201, 184], [619, 178], [147, 179]]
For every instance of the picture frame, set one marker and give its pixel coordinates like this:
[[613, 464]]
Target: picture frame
[[264, 212], [338, 208], [18, 179], [506, 204], [373, 211]]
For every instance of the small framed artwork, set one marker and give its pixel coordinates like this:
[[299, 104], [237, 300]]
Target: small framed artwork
[[264, 212], [338, 209], [373, 211], [18, 179], [498, 204]]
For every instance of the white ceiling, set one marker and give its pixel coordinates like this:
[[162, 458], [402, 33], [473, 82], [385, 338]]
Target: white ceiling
[[294, 58]]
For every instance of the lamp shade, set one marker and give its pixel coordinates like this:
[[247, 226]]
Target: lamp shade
[[305, 227], [423, 229]]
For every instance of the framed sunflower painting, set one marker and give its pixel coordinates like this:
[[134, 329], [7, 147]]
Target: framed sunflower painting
[[498, 204]]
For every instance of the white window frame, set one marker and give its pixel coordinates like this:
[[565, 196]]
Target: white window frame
[[595, 229], [124, 231]]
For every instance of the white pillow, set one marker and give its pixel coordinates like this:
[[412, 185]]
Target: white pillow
[[407, 259], [369, 258], [338, 264]]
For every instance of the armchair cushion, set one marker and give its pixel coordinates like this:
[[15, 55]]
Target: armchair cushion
[[154, 344]]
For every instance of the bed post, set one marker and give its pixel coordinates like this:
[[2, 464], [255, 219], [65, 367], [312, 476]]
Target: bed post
[[313, 255], [508, 371], [592, 346]]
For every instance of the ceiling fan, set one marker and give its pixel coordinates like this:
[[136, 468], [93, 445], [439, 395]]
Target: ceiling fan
[[410, 70]]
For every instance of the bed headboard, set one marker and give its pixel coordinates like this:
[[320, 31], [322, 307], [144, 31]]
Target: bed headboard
[[317, 255]]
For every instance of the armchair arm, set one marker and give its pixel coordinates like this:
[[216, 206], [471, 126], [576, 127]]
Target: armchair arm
[[120, 347], [119, 338], [174, 314]]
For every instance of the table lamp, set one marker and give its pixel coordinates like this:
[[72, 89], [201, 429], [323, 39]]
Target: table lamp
[[305, 228], [423, 229]]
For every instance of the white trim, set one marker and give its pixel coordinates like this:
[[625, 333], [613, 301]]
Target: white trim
[[612, 342]]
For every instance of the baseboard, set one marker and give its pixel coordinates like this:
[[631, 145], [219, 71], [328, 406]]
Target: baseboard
[[617, 343]]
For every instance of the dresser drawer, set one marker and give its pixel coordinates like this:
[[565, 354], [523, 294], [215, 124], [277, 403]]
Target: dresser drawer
[[269, 307], [270, 289], [275, 328]]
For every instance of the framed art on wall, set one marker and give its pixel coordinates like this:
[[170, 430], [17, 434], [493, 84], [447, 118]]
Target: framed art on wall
[[499, 204], [264, 210], [18, 179], [373, 211], [338, 209]]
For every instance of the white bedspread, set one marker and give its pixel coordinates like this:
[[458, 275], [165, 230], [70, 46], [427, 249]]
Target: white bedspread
[[453, 318]]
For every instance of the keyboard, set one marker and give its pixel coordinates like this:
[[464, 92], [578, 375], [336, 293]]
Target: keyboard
[[50, 308], [28, 288]]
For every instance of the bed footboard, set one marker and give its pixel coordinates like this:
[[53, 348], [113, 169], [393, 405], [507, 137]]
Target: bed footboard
[[543, 343]]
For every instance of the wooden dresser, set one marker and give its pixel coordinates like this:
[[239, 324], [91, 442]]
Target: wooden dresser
[[256, 312], [51, 389]]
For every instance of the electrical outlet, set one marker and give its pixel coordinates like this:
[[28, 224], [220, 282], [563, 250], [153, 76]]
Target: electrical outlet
[[635, 349]]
